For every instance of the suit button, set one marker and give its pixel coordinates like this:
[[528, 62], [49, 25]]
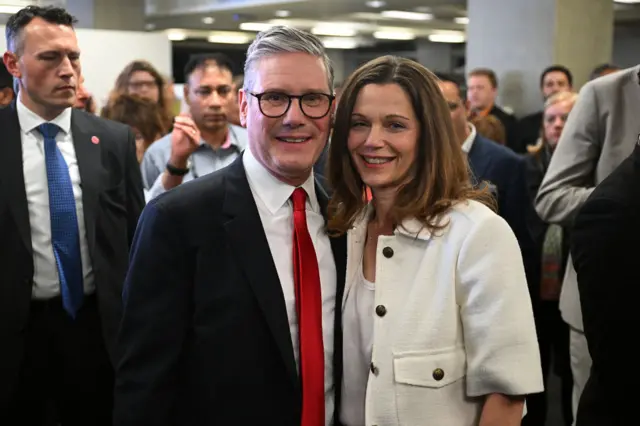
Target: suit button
[[387, 252], [381, 310], [374, 369], [438, 374]]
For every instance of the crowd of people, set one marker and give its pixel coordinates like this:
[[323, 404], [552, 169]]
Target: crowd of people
[[398, 251]]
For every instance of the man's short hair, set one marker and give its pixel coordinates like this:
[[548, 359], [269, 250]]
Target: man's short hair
[[485, 72], [557, 68], [598, 70], [22, 18], [448, 78], [282, 39], [203, 60]]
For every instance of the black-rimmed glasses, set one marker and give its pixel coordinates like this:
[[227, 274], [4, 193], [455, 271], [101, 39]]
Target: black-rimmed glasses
[[276, 104]]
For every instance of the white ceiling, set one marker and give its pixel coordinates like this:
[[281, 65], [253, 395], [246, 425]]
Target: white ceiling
[[306, 14], [194, 17]]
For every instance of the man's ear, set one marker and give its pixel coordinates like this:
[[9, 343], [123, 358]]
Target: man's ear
[[10, 60], [185, 92], [243, 106]]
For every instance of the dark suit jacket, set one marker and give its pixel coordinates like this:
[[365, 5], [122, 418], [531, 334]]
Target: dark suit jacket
[[112, 200], [529, 129], [492, 162], [510, 124], [205, 333], [604, 251]]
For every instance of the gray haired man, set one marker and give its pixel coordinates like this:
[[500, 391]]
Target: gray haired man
[[216, 329]]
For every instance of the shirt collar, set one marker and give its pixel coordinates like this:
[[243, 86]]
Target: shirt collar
[[468, 142], [29, 120], [231, 141], [273, 192]]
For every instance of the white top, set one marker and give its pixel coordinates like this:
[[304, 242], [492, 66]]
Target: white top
[[272, 198], [357, 336], [46, 282], [458, 322]]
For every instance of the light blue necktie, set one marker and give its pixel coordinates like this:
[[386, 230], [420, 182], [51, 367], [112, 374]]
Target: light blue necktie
[[64, 222]]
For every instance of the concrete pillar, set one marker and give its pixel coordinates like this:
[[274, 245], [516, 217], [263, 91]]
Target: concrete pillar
[[519, 38], [438, 57]]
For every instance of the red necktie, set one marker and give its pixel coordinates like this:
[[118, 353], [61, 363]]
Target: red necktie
[[309, 306]]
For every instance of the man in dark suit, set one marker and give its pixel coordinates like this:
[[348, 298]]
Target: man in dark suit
[[232, 298], [70, 198], [604, 238]]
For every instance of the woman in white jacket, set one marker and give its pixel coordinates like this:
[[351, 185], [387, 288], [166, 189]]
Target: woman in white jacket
[[437, 321]]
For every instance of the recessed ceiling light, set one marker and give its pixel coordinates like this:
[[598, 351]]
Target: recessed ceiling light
[[176, 35], [150, 26], [208, 20], [411, 16], [447, 38], [461, 20], [333, 30], [340, 43], [255, 26], [283, 13], [394, 35], [229, 38], [376, 4]]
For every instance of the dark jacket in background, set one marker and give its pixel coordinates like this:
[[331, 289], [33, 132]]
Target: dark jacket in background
[[529, 128], [510, 124], [604, 251]]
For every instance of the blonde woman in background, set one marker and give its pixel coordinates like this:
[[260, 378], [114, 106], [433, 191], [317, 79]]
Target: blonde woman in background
[[437, 320], [552, 247]]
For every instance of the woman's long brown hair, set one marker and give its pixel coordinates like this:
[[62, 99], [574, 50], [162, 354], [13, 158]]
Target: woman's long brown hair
[[440, 174], [122, 87]]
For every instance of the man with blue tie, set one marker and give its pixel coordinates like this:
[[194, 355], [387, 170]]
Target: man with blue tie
[[70, 198]]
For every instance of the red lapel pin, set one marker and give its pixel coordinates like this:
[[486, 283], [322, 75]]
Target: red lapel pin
[[95, 140]]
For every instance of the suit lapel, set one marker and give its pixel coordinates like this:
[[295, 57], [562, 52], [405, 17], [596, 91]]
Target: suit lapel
[[249, 242], [89, 166], [11, 175]]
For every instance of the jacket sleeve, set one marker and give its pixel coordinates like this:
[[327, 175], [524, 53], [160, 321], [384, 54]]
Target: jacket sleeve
[[156, 302], [570, 177], [495, 308]]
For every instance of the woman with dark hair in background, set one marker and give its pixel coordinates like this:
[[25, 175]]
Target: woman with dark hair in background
[[142, 79], [437, 319], [143, 115]]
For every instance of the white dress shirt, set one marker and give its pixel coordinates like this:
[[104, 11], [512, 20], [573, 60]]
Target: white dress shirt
[[272, 198], [468, 142], [46, 282]]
